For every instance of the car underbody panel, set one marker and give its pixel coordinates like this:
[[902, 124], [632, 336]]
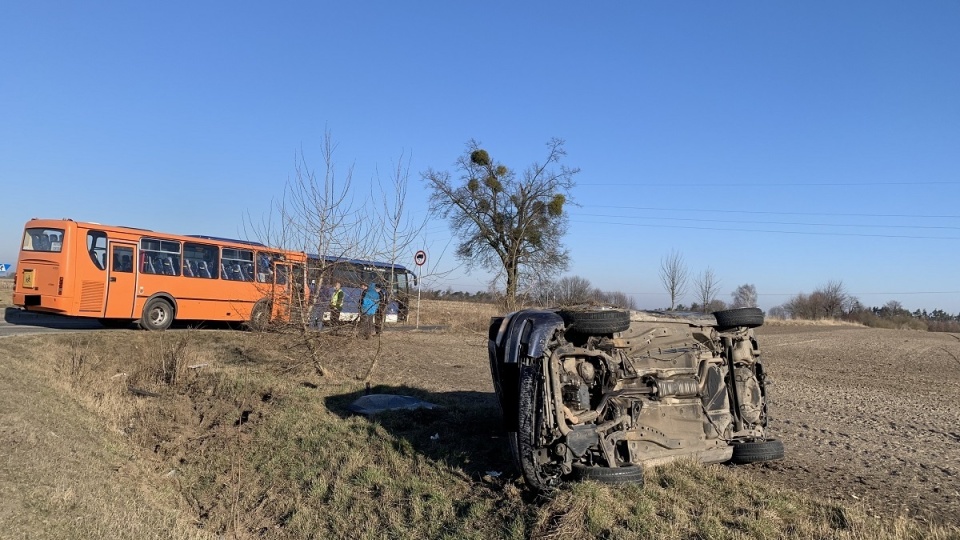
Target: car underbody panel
[[606, 389]]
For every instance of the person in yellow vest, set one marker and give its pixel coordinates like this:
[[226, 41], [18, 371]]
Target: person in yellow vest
[[336, 304]]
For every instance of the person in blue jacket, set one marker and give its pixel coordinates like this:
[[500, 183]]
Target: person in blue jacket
[[368, 310]]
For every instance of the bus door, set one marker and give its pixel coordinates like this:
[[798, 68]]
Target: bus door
[[298, 281], [121, 281], [282, 291]]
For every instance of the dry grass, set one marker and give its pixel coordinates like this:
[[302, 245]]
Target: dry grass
[[472, 316], [67, 473], [772, 321], [198, 434], [6, 292]]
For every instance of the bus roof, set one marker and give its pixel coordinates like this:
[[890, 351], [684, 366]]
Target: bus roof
[[221, 239], [95, 225], [377, 264]]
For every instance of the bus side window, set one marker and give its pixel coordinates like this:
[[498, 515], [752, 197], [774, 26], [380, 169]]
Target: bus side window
[[200, 260], [96, 247], [160, 257], [264, 273], [121, 259]]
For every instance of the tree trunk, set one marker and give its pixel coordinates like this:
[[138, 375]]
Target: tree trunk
[[510, 299]]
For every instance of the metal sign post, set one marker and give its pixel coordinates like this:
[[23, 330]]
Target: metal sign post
[[419, 258]]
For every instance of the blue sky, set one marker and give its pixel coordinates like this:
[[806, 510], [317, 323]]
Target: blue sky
[[780, 144]]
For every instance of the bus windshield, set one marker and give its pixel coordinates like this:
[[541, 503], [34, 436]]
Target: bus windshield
[[48, 240]]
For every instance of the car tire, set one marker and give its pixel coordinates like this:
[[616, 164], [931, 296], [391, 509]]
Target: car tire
[[157, 315], [757, 451], [260, 316], [593, 322], [749, 317], [629, 474], [530, 421]]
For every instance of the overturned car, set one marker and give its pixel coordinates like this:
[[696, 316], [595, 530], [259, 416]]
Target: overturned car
[[598, 393]]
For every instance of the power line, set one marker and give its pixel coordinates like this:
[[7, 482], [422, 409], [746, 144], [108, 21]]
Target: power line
[[778, 222], [767, 184], [810, 233], [901, 293], [833, 214]]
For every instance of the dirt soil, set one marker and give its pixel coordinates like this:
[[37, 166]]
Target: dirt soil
[[868, 416]]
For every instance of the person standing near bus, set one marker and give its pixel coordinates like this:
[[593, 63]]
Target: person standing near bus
[[368, 310], [336, 304]]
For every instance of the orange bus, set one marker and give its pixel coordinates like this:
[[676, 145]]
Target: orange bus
[[120, 275]]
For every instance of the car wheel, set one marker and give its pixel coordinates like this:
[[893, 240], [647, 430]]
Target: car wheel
[[750, 317], [157, 315], [260, 316], [539, 475], [757, 451], [630, 474], [600, 321]]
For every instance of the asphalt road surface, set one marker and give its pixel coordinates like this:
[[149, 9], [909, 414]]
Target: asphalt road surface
[[18, 322]]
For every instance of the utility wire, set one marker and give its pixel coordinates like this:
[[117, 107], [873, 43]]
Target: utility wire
[[849, 294], [834, 214], [722, 184], [775, 222], [811, 233]]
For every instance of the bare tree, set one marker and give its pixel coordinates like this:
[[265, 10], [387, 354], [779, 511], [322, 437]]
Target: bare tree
[[744, 296], [829, 301], [506, 223], [572, 290], [317, 214], [778, 312], [836, 301], [707, 286], [541, 292], [398, 231], [674, 276], [615, 298]]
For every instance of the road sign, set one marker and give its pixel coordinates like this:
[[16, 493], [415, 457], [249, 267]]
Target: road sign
[[420, 257], [4, 267]]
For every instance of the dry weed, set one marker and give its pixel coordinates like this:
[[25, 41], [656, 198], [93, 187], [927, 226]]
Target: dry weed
[[473, 316], [773, 321], [255, 448]]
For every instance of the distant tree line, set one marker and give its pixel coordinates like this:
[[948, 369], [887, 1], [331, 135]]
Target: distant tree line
[[831, 301], [565, 291], [481, 297], [575, 290]]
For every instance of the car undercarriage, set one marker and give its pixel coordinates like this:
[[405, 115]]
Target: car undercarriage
[[600, 393]]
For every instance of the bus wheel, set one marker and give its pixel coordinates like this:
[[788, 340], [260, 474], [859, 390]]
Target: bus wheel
[[157, 315], [260, 316]]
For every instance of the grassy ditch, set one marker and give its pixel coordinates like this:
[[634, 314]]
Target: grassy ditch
[[211, 434]]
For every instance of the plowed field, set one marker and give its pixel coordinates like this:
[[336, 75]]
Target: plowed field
[[867, 415]]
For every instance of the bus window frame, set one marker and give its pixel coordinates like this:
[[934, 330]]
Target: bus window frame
[[44, 235], [205, 251], [97, 254], [240, 262], [163, 247]]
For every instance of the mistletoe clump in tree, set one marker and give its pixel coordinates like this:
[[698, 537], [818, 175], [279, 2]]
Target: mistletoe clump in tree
[[505, 222]]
